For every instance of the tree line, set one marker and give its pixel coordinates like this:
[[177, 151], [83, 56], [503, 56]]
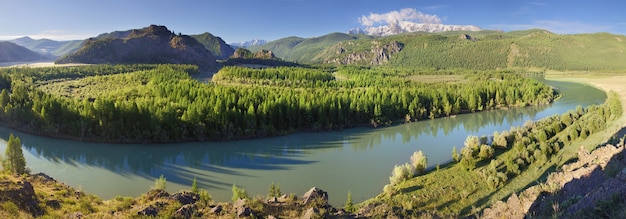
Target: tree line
[[162, 103]]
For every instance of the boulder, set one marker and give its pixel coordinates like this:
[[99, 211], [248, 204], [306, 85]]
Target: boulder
[[185, 198], [315, 194], [244, 212], [216, 210], [185, 211], [313, 213], [150, 211]]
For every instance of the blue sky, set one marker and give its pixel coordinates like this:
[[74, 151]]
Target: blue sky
[[241, 20]]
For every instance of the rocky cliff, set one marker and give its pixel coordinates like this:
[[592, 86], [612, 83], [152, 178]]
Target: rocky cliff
[[378, 54], [153, 44]]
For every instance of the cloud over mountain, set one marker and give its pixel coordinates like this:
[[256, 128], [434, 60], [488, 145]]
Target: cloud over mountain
[[403, 21], [405, 14]]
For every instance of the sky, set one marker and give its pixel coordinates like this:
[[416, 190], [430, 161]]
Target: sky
[[242, 20]]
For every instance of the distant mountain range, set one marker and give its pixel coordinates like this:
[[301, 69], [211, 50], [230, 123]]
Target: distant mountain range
[[255, 42], [48, 47], [153, 44], [11, 52], [408, 27]]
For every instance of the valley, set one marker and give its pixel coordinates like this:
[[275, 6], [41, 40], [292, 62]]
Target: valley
[[307, 112]]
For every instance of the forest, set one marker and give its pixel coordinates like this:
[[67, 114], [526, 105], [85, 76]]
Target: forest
[[163, 103]]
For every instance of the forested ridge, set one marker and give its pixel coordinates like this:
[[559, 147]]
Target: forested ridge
[[484, 50], [162, 103]]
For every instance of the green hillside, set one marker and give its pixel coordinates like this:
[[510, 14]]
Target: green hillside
[[305, 49], [457, 49], [216, 45]]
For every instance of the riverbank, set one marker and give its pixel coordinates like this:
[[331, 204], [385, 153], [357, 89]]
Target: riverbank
[[453, 191]]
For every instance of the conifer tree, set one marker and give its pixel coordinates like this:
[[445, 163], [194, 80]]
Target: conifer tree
[[14, 162]]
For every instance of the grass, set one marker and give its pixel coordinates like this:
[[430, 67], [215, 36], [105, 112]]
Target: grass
[[454, 191]]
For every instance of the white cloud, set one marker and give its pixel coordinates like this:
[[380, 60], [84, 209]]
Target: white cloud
[[557, 26], [406, 14]]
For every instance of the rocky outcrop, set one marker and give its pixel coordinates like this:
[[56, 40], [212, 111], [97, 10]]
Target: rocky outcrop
[[597, 177], [22, 194], [378, 54], [315, 195], [153, 44]]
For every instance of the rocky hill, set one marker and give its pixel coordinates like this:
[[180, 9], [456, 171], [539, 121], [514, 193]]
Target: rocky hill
[[47, 46], [11, 52], [215, 44], [153, 44]]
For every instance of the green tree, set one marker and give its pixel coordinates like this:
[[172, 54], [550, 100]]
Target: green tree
[[274, 190], [160, 183], [239, 193], [349, 206], [194, 186], [14, 162]]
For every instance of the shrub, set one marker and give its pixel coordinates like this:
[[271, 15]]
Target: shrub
[[401, 173], [419, 162], [160, 183], [239, 193], [486, 152]]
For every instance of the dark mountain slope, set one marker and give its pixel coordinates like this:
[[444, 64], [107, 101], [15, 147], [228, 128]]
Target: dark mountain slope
[[153, 44]]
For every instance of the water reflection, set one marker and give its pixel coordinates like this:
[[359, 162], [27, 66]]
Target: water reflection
[[359, 159]]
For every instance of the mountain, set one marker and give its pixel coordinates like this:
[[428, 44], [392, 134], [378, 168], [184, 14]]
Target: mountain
[[11, 52], [48, 47], [255, 42], [216, 45], [485, 49], [153, 44], [305, 49], [409, 27], [491, 50]]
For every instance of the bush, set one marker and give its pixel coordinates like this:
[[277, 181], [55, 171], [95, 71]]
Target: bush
[[486, 152], [419, 162], [10, 208], [401, 173]]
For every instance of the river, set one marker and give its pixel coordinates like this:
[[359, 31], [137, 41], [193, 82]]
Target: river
[[359, 160]]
